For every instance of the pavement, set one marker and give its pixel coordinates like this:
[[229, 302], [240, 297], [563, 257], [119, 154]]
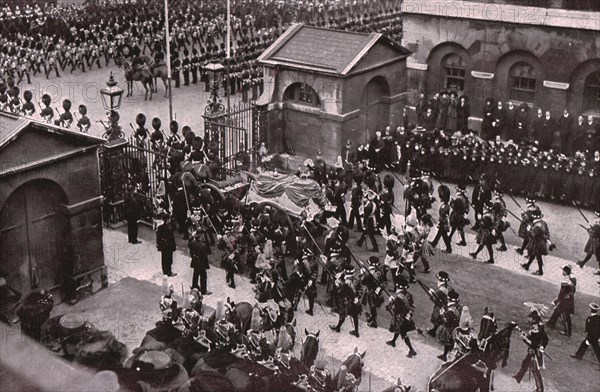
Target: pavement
[[383, 364]]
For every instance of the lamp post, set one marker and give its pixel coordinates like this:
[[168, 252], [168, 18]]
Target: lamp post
[[112, 96], [214, 71]]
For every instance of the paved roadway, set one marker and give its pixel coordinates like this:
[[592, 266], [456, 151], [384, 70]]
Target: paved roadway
[[502, 287]]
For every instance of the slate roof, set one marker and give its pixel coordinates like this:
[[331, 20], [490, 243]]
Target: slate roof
[[325, 50], [11, 126]]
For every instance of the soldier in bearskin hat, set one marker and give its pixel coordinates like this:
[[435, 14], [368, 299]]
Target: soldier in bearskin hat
[[458, 217], [539, 242], [441, 293], [83, 123], [526, 220], [402, 307], [592, 246], [349, 299], [450, 318], [486, 234], [443, 223], [481, 195], [373, 280]]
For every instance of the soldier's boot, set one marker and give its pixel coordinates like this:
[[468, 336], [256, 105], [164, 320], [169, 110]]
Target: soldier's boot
[[393, 341], [355, 331], [337, 327], [411, 350], [311, 305], [444, 356], [462, 242], [432, 331]]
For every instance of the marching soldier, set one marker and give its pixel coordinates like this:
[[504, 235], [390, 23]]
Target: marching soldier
[[349, 299], [592, 330], [355, 207], [500, 223], [369, 222], [526, 220], [185, 65], [444, 212], [449, 318], [592, 246], [393, 255], [564, 304], [229, 256], [536, 340], [458, 216], [311, 285], [486, 234], [539, 242], [402, 307], [176, 67], [443, 288], [481, 195], [373, 280]]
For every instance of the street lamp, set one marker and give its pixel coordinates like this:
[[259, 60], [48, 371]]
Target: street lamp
[[112, 96], [214, 71]]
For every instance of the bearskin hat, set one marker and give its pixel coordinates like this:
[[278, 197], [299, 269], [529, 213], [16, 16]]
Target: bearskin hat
[[140, 120], [444, 193]]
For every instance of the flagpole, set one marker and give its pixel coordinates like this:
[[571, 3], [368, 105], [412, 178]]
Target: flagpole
[[168, 60], [228, 49]]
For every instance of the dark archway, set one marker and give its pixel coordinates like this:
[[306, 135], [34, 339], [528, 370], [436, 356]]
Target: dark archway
[[584, 90], [34, 237], [375, 106]]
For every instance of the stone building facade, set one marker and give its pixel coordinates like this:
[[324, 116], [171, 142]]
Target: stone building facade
[[323, 87], [504, 50], [50, 209]]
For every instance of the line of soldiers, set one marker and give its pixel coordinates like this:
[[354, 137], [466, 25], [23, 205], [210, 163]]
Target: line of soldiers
[[520, 168]]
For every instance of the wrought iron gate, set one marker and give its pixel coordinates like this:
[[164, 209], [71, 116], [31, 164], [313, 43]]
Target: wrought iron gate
[[234, 131], [125, 163]]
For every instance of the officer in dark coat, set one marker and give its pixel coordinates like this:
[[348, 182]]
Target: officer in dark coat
[[481, 195], [539, 242], [443, 288], [458, 216], [564, 304], [369, 223], [373, 280], [537, 340], [443, 223], [486, 234], [132, 211], [592, 246], [402, 307], [592, 329], [199, 251], [349, 299], [165, 243], [450, 318], [355, 204]]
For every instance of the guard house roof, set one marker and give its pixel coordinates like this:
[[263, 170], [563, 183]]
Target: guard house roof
[[324, 50]]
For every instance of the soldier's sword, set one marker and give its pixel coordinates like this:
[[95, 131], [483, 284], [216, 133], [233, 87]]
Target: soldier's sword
[[581, 212]]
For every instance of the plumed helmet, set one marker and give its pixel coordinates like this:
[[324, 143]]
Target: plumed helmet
[[156, 123], [140, 120]]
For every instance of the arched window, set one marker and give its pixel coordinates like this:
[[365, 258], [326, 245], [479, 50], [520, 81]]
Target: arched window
[[302, 93], [591, 93], [454, 72], [522, 82]]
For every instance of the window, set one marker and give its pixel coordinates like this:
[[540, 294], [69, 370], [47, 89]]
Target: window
[[522, 82], [591, 93], [454, 69], [302, 93]]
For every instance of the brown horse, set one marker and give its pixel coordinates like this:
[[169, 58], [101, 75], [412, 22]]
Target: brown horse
[[158, 71], [142, 74]]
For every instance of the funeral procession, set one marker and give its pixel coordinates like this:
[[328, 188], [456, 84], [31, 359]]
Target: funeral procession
[[299, 195]]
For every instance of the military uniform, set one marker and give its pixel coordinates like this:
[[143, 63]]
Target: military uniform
[[458, 217], [592, 330], [402, 308], [349, 300], [536, 340], [199, 251], [564, 304], [441, 293], [449, 318], [373, 280], [539, 240]]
